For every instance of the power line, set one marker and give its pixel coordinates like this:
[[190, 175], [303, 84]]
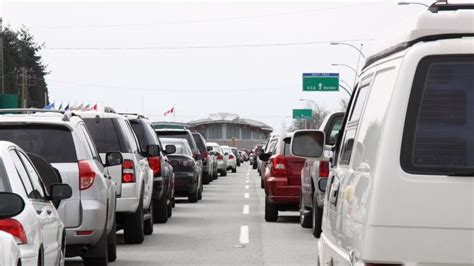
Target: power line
[[208, 46], [202, 20]]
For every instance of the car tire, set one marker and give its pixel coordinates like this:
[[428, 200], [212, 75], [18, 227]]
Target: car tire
[[112, 242], [271, 211], [200, 193], [134, 225], [261, 183], [205, 178], [173, 202], [170, 209], [254, 166], [160, 211], [193, 197], [216, 175], [234, 170], [148, 226], [317, 215], [224, 173], [305, 217], [98, 255]]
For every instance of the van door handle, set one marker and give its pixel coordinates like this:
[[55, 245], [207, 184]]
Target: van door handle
[[49, 212], [39, 211], [334, 192]]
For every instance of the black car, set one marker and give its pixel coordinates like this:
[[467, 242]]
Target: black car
[[163, 177], [185, 134], [202, 146], [186, 170]]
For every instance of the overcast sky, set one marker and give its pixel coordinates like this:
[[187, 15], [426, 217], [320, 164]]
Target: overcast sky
[[175, 61]]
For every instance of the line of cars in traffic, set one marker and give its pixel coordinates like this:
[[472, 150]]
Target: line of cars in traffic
[[390, 181], [70, 180]]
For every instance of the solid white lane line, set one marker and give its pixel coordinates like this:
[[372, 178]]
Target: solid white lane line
[[246, 209], [246, 195], [246, 186], [244, 235]]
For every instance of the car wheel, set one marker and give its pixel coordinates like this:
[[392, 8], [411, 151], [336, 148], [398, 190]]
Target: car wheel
[[133, 227], [200, 193], [224, 173], [205, 178], [234, 170], [112, 242], [271, 212], [261, 183], [193, 197], [216, 174], [148, 227], [160, 211], [254, 166], [317, 218], [98, 255], [305, 216], [170, 209], [174, 202]]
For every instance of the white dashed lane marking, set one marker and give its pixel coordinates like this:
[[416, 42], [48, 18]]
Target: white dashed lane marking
[[246, 195], [244, 235], [246, 209]]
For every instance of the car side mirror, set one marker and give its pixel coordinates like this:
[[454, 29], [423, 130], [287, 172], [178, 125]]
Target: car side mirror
[[11, 204], [264, 156], [209, 148], [225, 154], [153, 150], [113, 159], [308, 144], [170, 149], [197, 156], [60, 192]]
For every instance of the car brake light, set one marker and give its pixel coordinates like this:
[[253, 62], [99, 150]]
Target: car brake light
[[84, 233], [205, 156], [154, 163], [220, 157], [86, 175], [231, 156], [323, 169], [382, 264], [279, 166], [128, 171], [14, 228]]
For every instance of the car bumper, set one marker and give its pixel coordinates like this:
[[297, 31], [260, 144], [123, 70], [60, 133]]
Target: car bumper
[[29, 255], [221, 165], [185, 183]]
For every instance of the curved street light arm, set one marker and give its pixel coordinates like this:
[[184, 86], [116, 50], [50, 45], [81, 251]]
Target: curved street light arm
[[350, 45], [345, 89], [348, 66]]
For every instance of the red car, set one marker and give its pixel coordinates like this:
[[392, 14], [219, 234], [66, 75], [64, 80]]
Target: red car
[[282, 179]]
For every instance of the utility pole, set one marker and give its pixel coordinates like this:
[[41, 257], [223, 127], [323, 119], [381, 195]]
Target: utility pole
[[24, 86]]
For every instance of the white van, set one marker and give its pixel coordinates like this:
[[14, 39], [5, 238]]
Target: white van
[[401, 191]]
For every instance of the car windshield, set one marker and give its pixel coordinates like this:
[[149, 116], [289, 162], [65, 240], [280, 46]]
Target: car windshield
[[54, 143]]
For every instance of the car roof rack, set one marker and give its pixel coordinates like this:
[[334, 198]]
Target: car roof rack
[[108, 109], [431, 27], [66, 114], [139, 115]]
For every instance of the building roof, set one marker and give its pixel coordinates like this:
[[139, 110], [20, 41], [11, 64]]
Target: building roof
[[232, 119]]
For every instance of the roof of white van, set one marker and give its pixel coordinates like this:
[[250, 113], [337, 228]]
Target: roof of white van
[[447, 22], [93, 114]]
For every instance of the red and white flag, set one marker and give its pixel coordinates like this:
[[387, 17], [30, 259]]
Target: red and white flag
[[94, 107], [170, 111]]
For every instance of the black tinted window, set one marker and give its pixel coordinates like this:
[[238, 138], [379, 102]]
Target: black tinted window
[[143, 134], [54, 143], [438, 136], [107, 135], [199, 142], [178, 135]]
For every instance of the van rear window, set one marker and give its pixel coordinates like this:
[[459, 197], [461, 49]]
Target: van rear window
[[54, 143], [107, 134], [438, 135]]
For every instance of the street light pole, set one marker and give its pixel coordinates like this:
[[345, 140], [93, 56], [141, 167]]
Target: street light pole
[[346, 90], [412, 3], [350, 45], [315, 108]]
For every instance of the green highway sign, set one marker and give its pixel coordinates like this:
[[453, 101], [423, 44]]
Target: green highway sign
[[320, 81], [302, 113]]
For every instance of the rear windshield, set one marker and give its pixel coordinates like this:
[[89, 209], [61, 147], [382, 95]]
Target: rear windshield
[[199, 142], [181, 148], [438, 135], [107, 135], [54, 143], [143, 134], [177, 135]]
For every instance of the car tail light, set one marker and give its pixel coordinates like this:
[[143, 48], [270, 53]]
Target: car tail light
[[14, 228], [279, 166], [187, 162], [84, 233], [220, 157], [205, 156], [323, 169], [155, 165], [128, 171], [231, 156], [86, 175]]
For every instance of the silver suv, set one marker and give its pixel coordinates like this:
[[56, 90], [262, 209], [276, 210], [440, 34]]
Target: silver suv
[[64, 141], [134, 177]]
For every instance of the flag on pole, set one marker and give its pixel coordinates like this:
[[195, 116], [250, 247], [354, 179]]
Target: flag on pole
[[49, 106], [86, 108], [94, 107], [60, 108], [170, 111], [67, 107]]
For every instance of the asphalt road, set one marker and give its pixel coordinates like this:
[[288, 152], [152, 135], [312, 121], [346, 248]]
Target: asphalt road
[[225, 228]]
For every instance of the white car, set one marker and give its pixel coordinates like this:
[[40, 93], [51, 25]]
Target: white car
[[38, 230], [229, 158], [8, 248], [401, 186], [221, 163]]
